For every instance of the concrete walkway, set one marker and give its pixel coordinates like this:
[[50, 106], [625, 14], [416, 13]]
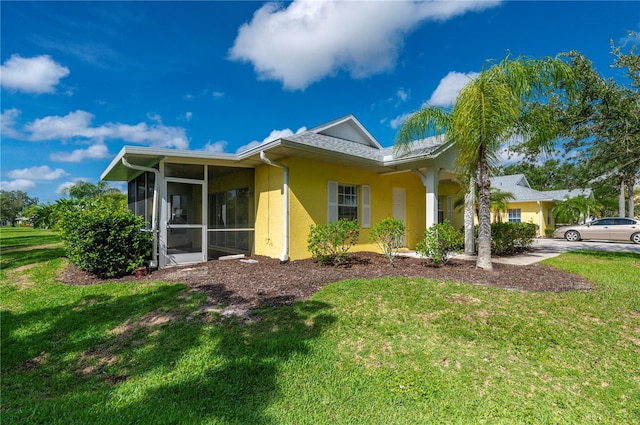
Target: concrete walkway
[[548, 248]]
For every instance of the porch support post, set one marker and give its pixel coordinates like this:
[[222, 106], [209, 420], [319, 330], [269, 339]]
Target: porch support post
[[541, 220], [430, 180]]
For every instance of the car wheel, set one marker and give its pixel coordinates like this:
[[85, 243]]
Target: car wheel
[[635, 238], [572, 236]]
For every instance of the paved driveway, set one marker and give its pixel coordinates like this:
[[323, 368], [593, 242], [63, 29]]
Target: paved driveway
[[558, 246], [548, 248]]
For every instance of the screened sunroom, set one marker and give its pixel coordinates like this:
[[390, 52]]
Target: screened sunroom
[[198, 211]]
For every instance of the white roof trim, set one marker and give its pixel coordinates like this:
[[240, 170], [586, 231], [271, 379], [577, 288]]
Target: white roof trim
[[346, 119]]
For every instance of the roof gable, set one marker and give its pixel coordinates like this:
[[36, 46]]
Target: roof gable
[[347, 128], [518, 186], [510, 183]]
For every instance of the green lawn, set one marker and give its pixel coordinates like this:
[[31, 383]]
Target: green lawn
[[388, 351], [20, 246]]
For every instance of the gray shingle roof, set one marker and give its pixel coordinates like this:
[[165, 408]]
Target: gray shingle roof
[[518, 186], [418, 148], [560, 195], [335, 144]]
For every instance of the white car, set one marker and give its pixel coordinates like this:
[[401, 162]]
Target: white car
[[613, 229]]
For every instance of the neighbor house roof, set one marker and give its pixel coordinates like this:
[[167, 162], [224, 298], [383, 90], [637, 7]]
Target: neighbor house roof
[[519, 187], [341, 141]]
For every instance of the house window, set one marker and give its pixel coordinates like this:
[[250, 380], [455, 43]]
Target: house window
[[514, 215], [347, 202], [440, 209], [548, 216], [343, 203]]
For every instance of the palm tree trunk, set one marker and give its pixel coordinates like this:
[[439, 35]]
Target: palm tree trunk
[[469, 203], [621, 199], [630, 185], [631, 201], [484, 214]]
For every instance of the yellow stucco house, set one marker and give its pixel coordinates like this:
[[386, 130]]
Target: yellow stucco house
[[530, 205], [263, 201]]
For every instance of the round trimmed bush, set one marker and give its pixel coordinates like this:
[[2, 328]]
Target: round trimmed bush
[[104, 240]]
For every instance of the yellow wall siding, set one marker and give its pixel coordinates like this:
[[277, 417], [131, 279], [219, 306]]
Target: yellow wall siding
[[269, 211], [308, 203], [530, 213]]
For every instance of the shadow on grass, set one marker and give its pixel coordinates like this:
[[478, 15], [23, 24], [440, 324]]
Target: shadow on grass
[[91, 362], [25, 239], [17, 258]]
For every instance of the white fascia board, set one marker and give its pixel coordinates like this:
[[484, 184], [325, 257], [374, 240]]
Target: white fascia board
[[117, 160], [256, 150], [164, 153], [179, 153]]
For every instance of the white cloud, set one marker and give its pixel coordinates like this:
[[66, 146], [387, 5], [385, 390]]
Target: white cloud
[[215, 147], [217, 94], [308, 40], [39, 74], [402, 94], [8, 122], [66, 185], [506, 155], [399, 120], [78, 125], [274, 135], [445, 94], [188, 116], [19, 184], [78, 155], [37, 173], [74, 124]]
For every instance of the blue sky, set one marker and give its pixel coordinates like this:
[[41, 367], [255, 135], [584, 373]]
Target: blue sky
[[80, 80]]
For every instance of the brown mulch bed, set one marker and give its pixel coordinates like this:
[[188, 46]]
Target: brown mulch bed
[[267, 282]]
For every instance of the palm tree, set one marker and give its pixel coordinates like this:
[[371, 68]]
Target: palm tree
[[571, 210], [499, 202], [488, 112]]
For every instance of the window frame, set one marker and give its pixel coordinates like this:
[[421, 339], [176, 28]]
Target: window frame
[[336, 193], [513, 217]]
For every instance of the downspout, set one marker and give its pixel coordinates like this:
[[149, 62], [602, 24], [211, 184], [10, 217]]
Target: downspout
[[154, 220], [285, 187]]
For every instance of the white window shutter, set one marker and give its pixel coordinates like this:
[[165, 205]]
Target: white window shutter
[[332, 202], [365, 217]]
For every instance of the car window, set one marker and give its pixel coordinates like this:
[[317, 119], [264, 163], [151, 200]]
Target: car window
[[601, 222], [624, 222]]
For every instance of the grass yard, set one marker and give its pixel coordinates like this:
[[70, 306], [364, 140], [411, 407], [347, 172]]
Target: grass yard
[[387, 351]]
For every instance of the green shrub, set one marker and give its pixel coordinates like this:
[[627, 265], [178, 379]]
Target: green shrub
[[332, 241], [440, 242], [548, 232], [105, 240], [509, 238], [388, 234]]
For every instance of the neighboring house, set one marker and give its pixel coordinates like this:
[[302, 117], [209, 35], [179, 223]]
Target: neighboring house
[[530, 205], [264, 200]]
